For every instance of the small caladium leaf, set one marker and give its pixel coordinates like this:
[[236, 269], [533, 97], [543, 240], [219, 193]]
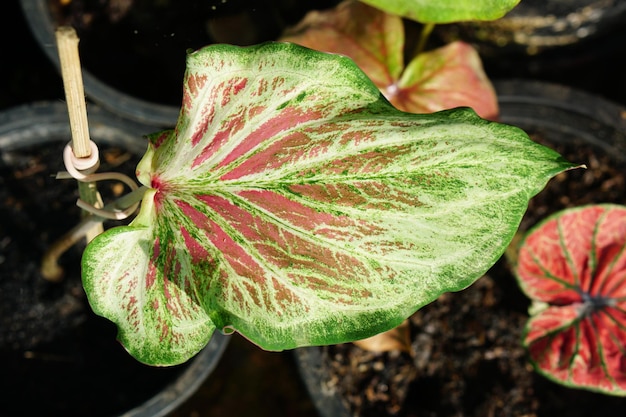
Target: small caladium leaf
[[372, 38], [446, 11], [444, 78], [447, 77], [573, 265], [293, 204]]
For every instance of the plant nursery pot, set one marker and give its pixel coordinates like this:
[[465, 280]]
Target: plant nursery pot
[[57, 357], [464, 355], [133, 52], [537, 26], [573, 42]]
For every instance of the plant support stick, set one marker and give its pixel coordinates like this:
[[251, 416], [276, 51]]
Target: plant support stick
[[67, 43], [85, 154]]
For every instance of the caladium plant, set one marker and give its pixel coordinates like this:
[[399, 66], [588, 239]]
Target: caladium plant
[[442, 78], [294, 204], [573, 267]]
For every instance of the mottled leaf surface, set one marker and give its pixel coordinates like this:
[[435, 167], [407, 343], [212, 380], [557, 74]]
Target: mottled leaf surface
[[445, 11], [293, 204], [447, 77], [573, 265]]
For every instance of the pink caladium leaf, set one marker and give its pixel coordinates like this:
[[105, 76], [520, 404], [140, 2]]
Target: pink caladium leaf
[[292, 203], [447, 77], [573, 267]]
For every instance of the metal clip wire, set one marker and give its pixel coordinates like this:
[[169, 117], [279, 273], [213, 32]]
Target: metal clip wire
[[81, 169]]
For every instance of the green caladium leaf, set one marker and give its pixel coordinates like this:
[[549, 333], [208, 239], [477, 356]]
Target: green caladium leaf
[[446, 11], [447, 77], [293, 204]]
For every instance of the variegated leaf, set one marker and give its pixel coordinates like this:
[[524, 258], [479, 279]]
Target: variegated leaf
[[574, 265], [295, 205], [445, 11]]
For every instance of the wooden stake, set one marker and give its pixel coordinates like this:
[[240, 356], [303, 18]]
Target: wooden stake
[[67, 43]]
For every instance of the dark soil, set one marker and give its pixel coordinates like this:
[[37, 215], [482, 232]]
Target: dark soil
[[57, 357], [466, 358]]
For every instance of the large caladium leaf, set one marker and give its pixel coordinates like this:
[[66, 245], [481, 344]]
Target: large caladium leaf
[[446, 11], [295, 205], [447, 77], [573, 265]]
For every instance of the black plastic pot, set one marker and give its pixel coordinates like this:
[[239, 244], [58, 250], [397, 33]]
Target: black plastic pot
[[534, 26], [57, 357], [574, 42], [482, 370], [538, 26]]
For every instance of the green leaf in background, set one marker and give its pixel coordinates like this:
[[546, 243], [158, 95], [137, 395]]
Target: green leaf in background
[[293, 204], [447, 77], [445, 11]]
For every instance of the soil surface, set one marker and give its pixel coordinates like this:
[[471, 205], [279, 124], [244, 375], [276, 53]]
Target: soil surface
[[465, 357]]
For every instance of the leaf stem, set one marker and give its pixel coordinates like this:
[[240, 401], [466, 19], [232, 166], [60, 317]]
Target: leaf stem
[[50, 268], [423, 38]]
